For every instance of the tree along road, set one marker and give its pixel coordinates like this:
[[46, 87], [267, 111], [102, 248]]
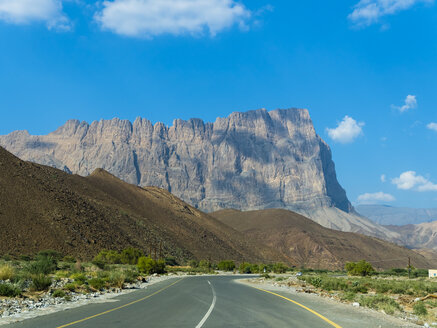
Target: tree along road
[[195, 302]]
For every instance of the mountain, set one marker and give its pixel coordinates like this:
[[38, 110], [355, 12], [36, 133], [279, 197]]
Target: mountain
[[312, 245], [251, 160], [423, 235], [388, 215], [45, 208]]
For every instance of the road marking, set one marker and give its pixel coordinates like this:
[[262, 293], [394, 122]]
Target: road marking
[[302, 306], [120, 307], [214, 298]]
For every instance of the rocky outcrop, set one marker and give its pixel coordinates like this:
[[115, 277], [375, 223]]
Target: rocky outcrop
[[251, 160]]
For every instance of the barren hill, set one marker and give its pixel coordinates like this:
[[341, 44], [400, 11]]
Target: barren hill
[[45, 208], [312, 245]]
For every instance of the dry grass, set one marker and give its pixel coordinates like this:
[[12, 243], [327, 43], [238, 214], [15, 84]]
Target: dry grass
[[6, 272]]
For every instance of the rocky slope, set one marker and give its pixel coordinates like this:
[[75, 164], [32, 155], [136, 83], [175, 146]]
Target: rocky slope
[[423, 235], [389, 215], [312, 245], [252, 160], [45, 208]]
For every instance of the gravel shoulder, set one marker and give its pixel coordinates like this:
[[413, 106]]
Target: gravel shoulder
[[343, 314]]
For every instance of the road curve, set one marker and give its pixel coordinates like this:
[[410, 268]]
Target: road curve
[[195, 302]]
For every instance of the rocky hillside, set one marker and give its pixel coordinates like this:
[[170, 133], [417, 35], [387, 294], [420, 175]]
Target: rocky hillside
[[45, 208], [389, 215], [252, 160], [312, 245], [423, 235]]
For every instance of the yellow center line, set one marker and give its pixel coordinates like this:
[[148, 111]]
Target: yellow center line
[[302, 306], [120, 307]]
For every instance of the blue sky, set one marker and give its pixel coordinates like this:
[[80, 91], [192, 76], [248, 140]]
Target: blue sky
[[366, 70]]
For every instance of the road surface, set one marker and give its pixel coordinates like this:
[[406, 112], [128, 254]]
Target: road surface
[[196, 302]]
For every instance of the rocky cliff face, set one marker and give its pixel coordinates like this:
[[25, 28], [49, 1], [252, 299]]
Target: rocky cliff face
[[251, 160]]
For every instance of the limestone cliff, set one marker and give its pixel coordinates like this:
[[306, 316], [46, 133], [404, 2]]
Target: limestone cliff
[[248, 160]]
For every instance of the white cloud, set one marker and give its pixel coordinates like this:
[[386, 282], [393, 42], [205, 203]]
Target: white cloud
[[383, 178], [432, 126], [368, 12], [410, 180], [346, 131], [28, 11], [147, 18], [377, 197], [410, 103]]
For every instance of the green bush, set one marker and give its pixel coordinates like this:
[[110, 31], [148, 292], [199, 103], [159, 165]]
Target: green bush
[[245, 268], [150, 266], [69, 259], [130, 255], [279, 268], [71, 287], [361, 268], [193, 264], [40, 282], [79, 278], [97, 283], [117, 279], [43, 265], [316, 282], [49, 254], [106, 257], [226, 265], [170, 260], [58, 293], [205, 264], [420, 309], [9, 290], [380, 302]]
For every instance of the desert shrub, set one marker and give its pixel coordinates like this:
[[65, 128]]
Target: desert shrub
[[316, 282], [6, 272], [205, 264], [9, 290], [42, 266], [71, 287], [420, 309], [245, 268], [193, 263], [25, 258], [361, 268], [130, 276], [380, 302], [279, 268], [349, 296], [69, 259], [266, 276], [130, 255], [40, 282], [58, 293], [79, 278], [170, 260], [6, 257], [150, 266], [117, 279], [49, 254], [107, 257], [226, 265], [96, 283]]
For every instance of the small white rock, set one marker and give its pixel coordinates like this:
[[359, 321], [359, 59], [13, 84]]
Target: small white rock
[[356, 304]]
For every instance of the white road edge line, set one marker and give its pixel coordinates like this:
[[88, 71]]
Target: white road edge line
[[214, 298]]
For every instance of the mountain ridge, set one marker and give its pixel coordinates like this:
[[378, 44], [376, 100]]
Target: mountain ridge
[[248, 160]]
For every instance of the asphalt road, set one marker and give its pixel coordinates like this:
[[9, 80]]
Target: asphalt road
[[195, 302]]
